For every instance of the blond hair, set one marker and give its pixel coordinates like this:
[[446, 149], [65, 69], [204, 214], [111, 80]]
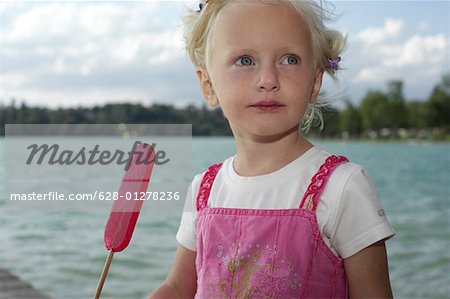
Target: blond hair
[[326, 43]]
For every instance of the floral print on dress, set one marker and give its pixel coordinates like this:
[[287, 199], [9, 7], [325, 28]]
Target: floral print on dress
[[253, 272]]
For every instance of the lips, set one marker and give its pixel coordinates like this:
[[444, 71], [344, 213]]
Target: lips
[[267, 105]]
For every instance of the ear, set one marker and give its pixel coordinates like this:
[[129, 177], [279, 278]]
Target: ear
[[206, 86], [316, 86]]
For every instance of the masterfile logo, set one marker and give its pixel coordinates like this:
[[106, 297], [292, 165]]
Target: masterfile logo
[[79, 167]]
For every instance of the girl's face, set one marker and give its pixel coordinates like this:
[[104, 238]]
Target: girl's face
[[261, 69]]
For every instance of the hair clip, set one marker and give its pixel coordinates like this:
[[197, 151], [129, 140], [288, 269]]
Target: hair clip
[[334, 63], [201, 5]]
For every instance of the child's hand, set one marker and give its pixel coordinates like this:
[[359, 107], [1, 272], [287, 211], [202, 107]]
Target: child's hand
[[182, 279]]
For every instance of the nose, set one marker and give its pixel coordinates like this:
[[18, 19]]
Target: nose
[[268, 79]]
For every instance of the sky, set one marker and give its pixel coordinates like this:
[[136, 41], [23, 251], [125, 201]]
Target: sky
[[86, 53]]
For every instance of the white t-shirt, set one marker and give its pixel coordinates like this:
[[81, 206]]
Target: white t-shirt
[[349, 214]]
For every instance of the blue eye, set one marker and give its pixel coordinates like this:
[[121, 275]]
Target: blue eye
[[244, 60], [291, 59]]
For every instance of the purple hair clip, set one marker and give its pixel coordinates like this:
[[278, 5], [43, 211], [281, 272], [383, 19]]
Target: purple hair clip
[[334, 63]]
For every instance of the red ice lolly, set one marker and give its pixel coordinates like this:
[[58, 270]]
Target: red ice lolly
[[125, 210]]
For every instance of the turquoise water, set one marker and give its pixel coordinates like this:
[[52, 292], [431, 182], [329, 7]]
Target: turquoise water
[[63, 253]]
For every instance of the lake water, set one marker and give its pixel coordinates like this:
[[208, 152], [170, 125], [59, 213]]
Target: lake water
[[63, 253]]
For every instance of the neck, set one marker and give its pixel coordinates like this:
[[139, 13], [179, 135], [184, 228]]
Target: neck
[[265, 154]]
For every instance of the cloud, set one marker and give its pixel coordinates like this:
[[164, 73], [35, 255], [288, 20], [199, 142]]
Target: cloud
[[374, 35], [418, 59], [73, 52]]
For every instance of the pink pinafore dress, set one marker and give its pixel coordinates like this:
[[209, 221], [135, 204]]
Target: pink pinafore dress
[[256, 253]]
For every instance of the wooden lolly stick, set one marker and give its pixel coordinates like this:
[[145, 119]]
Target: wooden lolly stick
[[104, 274]]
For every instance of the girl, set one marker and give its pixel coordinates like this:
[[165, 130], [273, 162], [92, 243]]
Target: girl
[[282, 218]]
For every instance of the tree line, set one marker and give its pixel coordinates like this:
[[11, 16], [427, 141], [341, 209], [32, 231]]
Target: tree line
[[380, 115], [205, 122], [387, 115]]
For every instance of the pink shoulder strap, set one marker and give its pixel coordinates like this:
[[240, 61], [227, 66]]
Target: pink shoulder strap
[[319, 181], [205, 186]]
